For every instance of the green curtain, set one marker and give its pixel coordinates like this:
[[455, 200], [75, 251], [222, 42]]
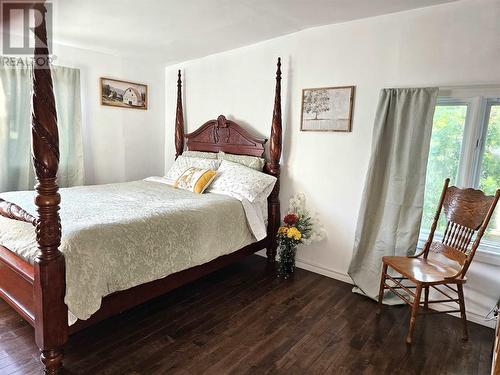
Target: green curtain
[[16, 170], [391, 207]]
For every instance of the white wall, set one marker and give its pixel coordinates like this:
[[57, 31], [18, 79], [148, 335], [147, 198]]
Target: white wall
[[120, 144], [451, 44]]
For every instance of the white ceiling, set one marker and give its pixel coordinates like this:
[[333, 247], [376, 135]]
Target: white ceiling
[[176, 30]]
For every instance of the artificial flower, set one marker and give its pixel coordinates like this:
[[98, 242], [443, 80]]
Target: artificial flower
[[291, 219], [299, 227], [283, 230], [294, 233], [298, 203]]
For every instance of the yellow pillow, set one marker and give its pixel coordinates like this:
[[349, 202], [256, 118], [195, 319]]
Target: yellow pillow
[[195, 179]]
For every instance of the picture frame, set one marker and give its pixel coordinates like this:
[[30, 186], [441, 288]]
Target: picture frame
[[123, 94], [327, 109]]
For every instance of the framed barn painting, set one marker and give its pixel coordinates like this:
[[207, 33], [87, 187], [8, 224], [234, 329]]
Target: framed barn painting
[[116, 93], [327, 109]]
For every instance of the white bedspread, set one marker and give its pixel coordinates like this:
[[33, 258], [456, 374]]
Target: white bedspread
[[118, 236]]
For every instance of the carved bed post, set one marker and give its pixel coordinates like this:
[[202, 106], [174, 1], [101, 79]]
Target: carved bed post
[[179, 120], [51, 313], [273, 168]]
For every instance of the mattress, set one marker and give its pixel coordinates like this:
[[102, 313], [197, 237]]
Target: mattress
[[118, 236]]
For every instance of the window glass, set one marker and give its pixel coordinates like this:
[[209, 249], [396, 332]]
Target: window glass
[[489, 178], [444, 156]]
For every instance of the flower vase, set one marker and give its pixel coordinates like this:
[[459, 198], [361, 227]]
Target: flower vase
[[286, 266]]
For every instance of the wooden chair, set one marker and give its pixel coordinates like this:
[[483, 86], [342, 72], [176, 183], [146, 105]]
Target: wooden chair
[[442, 262]]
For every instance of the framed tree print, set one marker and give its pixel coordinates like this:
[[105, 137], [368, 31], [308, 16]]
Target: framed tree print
[[327, 109]]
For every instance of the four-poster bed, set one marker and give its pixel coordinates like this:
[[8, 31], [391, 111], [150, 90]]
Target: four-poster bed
[[37, 291]]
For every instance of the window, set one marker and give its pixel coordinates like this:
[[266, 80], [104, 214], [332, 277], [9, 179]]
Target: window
[[465, 146], [444, 154], [489, 172]]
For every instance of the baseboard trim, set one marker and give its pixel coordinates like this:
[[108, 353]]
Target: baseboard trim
[[316, 268]]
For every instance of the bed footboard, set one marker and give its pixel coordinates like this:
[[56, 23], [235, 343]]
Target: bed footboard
[[16, 287]]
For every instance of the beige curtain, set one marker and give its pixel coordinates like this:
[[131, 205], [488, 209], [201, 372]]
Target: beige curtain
[[391, 207]]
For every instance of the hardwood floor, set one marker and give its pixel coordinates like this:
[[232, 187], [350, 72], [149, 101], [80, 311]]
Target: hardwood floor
[[241, 320]]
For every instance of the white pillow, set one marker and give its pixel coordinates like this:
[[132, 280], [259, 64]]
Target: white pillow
[[183, 163], [253, 162], [238, 181], [200, 154]]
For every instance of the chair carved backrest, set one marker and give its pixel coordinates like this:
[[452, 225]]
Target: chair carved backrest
[[468, 213]]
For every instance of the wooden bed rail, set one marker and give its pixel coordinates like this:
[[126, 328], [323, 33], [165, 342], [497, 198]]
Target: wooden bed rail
[[13, 211], [51, 313]]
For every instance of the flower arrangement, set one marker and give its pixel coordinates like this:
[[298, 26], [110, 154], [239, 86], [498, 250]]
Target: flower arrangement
[[299, 227]]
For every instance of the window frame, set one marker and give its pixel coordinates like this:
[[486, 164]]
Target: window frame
[[479, 102]]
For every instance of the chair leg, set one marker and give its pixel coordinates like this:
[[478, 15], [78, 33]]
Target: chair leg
[[461, 299], [414, 312], [426, 297], [382, 289]]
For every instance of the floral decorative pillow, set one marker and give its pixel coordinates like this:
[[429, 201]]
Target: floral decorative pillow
[[200, 154], [183, 163], [238, 181], [253, 162], [195, 179]]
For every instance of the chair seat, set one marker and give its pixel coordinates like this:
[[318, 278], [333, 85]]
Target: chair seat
[[420, 270]]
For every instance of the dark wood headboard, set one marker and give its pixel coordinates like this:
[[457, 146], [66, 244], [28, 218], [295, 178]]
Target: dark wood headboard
[[225, 135], [228, 136]]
